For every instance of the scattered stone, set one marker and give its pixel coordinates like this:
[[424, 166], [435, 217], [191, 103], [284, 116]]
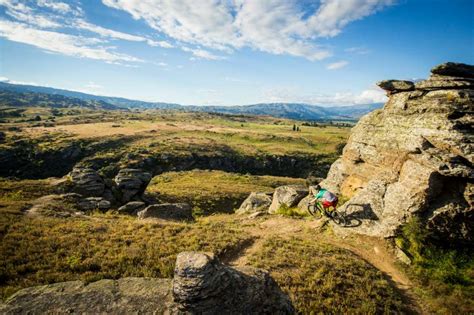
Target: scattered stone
[[255, 202], [413, 158], [289, 195], [168, 211], [132, 207], [202, 285], [131, 182], [402, 257], [92, 203], [395, 86], [87, 182]]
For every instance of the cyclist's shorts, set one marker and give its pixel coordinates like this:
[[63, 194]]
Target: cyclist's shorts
[[328, 204]]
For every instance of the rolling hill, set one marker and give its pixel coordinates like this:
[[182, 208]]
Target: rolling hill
[[11, 94]]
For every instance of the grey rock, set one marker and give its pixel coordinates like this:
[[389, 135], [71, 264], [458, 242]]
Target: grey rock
[[255, 202], [131, 183], [92, 203], [402, 257], [123, 296], [202, 285], [168, 211], [132, 207], [454, 69], [87, 182], [288, 195], [394, 86]]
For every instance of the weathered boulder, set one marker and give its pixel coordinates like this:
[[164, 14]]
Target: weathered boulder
[[168, 211], [288, 195], [132, 207], [131, 182], [255, 202], [92, 203], [123, 296], [412, 158], [63, 205], [202, 285], [87, 182], [395, 86]]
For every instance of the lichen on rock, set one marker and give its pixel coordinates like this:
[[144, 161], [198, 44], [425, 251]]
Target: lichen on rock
[[414, 157]]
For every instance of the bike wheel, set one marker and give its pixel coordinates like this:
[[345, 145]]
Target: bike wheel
[[315, 212], [338, 218]]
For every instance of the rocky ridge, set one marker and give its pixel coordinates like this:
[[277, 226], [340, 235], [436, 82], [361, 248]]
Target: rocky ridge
[[413, 158]]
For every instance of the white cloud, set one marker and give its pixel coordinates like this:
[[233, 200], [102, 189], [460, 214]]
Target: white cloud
[[55, 5], [337, 65], [273, 26], [7, 80], [70, 45], [357, 50], [202, 54], [291, 95]]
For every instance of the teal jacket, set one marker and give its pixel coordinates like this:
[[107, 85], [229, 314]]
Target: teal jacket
[[325, 194]]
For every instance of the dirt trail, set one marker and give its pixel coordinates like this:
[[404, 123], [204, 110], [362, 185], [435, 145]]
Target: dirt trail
[[372, 250]]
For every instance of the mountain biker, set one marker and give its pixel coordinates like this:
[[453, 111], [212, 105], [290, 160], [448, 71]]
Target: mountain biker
[[325, 197]]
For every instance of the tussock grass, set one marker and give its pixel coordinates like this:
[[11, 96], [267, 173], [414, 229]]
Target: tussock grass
[[323, 279], [213, 191], [38, 250]]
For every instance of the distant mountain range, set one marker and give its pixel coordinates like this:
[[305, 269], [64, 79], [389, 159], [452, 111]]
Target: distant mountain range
[[30, 95]]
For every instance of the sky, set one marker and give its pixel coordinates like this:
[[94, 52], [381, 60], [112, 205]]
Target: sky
[[231, 52]]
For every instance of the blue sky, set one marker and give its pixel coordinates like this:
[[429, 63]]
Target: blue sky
[[227, 52]]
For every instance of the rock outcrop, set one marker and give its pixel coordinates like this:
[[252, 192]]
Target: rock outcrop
[[131, 182], [255, 202], [201, 285], [288, 195], [87, 182], [168, 211], [123, 296], [414, 157]]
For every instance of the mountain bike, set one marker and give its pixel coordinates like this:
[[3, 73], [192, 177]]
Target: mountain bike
[[317, 210]]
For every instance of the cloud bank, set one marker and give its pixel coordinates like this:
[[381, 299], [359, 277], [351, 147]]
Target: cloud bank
[[278, 27]]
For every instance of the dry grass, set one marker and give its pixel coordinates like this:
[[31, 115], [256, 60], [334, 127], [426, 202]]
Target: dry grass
[[213, 191], [323, 279]]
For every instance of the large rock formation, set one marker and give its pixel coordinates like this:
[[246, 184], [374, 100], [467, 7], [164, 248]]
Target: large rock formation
[[201, 285], [414, 157]]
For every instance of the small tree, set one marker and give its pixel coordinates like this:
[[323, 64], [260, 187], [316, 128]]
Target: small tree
[[298, 129], [37, 118], [294, 127]]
